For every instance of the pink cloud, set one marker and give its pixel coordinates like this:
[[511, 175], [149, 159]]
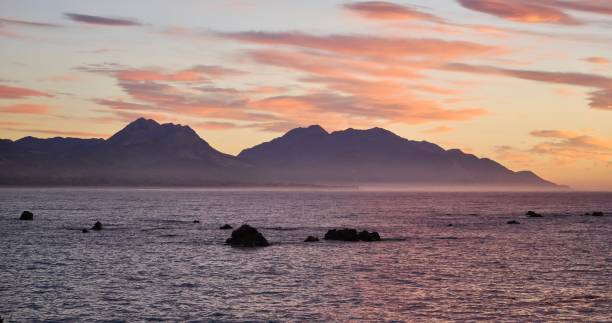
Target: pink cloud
[[372, 46], [565, 147], [597, 60], [382, 10], [12, 92], [521, 11], [599, 99], [26, 108]]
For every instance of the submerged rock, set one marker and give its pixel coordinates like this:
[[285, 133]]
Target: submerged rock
[[532, 214], [196, 221], [247, 236], [449, 225], [226, 227], [597, 213], [97, 226], [311, 239], [351, 235], [84, 230], [513, 222], [27, 216]]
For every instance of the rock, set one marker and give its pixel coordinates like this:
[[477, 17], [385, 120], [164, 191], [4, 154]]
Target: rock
[[311, 239], [351, 235], [532, 214], [513, 222], [247, 236], [449, 225], [342, 235], [84, 230], [97, 226], [196, 221], [597, 214], [226, 227], [27, 216]]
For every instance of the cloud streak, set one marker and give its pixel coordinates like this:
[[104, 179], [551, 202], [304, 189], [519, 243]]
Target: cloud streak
[[598, 99], [26, 108], [12, 92], [373, 46], [543, 11], [101, 21], [382, 10], [27, 23]]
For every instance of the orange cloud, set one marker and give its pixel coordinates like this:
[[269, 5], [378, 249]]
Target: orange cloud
[[372, 46], [597, 60], [553, 134], [381, 10], [11, 92], [563, 146], [198, 73], [438, 130], [26, 109], [521, 11], [599, 99]]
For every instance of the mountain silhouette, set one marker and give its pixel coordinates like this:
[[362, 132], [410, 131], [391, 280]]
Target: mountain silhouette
[[148, 153], [375, 156]]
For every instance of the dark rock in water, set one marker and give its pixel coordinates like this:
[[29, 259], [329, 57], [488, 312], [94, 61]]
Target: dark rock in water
[[311, 239], [196, 221], [449, 225], [84, 230], [597, 214], [532, 214], [375, 236], [351, 235], [247, 236], [226, 227], [513, 222], [27, 216], [97, 226], [342, 235]]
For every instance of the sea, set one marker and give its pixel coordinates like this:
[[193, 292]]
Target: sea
[[445, 256]]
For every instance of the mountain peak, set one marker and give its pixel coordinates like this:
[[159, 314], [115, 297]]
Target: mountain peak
[[142, 123], [144, 130], [313, 130]]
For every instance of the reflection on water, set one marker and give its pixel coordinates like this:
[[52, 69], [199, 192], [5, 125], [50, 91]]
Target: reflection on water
[[152, 262]]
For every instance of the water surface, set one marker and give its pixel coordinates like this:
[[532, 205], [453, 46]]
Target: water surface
[[151, 262]]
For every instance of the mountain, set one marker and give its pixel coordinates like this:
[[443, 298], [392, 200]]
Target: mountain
[[375, 156], [143, 153], [148, 153]]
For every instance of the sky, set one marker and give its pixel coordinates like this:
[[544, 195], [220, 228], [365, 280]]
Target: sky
[[526, 83]]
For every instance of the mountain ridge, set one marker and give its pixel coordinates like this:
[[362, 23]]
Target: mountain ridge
[[146, 152]]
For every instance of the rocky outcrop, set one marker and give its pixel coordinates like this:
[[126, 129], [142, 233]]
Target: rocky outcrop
[[532, 214], [26, 216], [351, 235], [247, 236], [97, 226], [311, 239], [226, 227], [513, 222]]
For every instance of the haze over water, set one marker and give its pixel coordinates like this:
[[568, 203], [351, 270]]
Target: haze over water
[[152, 262]]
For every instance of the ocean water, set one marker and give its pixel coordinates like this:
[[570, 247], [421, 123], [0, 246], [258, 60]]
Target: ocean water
[[152, 263]]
